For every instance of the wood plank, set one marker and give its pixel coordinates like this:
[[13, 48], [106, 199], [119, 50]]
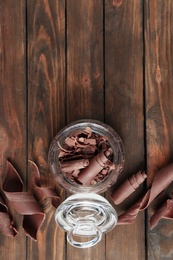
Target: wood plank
[[159, 111], [46, 109], [13, 109], [85, 60], [124, 112], [85, 97]]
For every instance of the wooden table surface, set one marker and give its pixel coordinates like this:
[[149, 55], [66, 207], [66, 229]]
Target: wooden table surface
[[110, 60]]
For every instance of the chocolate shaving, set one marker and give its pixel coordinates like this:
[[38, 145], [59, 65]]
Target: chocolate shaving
[[24, 202], [6, 225], [128, 187], [84, 155], [94, 167], [74, 165], [39, 191], [165, 211], [162, 179]]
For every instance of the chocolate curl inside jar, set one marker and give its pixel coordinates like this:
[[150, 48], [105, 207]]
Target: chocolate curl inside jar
[[162, 179], [95, 166], [69, 166], [128, 187]]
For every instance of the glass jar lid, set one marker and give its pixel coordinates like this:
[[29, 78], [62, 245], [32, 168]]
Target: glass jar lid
[[85, 217]]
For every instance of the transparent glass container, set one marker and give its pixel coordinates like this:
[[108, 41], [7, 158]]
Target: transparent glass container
[[86, 215]]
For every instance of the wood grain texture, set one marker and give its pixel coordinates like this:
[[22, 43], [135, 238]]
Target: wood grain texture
[[85, 80], [85, 60], [46, 109], [124, 111], [63, 60], [13, 109], [159, 110]]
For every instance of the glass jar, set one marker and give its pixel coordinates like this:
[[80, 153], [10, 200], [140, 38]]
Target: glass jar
[[86, 213]]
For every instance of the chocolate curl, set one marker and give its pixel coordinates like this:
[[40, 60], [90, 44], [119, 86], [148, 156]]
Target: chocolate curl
[[6, 226], [83, 142], [87, 131], [128, 187], [69, 166], [165, 211], [70, 142], [23, 202], [39, 191], [162, 179], [65, 150], [94, 167], [90, 141]]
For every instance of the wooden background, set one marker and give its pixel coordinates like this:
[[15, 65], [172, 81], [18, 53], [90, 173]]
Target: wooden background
[[111, 60]]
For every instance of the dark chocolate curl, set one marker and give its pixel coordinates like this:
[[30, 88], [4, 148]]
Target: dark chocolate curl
[[165, 211], [38, 190], [6, 226], [95, 166], [23, 202], [162, 179], [128, 187]]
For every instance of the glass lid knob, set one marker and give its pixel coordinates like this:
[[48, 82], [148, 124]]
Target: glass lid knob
[[85, 217]]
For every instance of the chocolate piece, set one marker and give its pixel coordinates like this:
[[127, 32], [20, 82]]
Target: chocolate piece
[[69, 166], [24, 202], [165, 211], [128, 187], [70, 141], [75, 173], [38, 190], [95, 166], [6, 226], [162, 179], [90, 141], [88, 152]]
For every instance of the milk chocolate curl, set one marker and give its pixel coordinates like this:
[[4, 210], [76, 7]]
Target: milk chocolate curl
[[6, 226], [128, 187], [137, 179], [39, 191], [162, 179], [69, 166], [70, 142], [95, 166], [165, 211], [90, 141], [23, 202]]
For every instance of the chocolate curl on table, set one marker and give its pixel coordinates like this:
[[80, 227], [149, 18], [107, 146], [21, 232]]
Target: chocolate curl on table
[[23, 202], [165, 211], [39, 191], [162, 179], [95, 166], [6, 226], [128, 187]]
